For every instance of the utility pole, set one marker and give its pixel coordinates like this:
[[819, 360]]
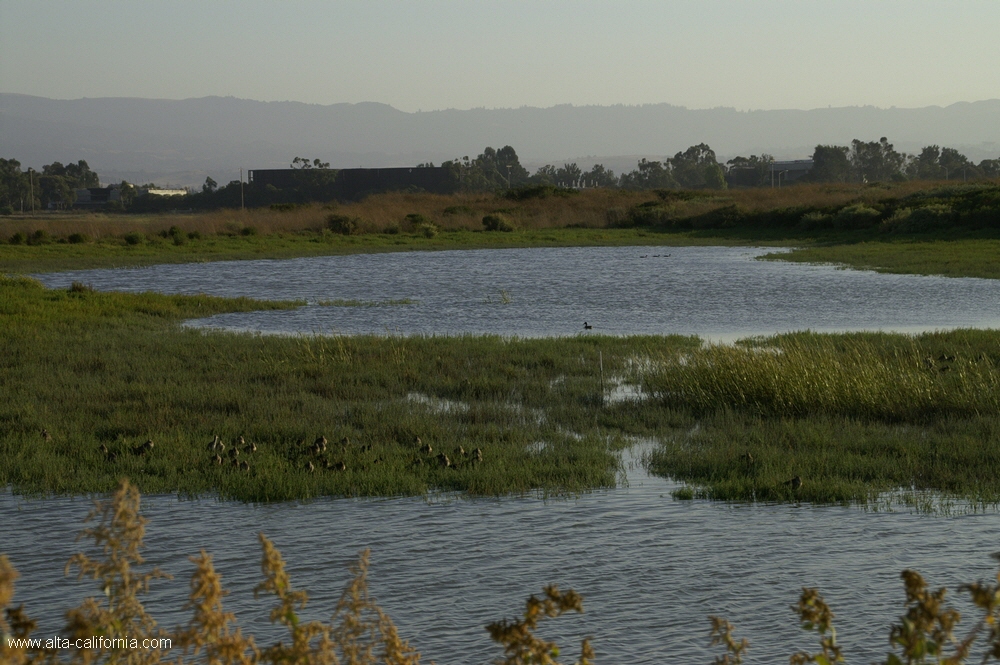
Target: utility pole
[[31, 190]]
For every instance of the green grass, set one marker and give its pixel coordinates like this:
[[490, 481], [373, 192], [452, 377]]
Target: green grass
[[951, 258], [116, 369], [853, 415]]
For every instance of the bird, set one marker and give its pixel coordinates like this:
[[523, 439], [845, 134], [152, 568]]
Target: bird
[[338, 466], [795, 482], [244, 465], [426, 448], [251, 447], [217, 459], [477, 455], [443, 460], [310, 467], [234, 452], [748, 457], [214, 445], [461, 451], [46, 435], [587, 326], [144, 448]]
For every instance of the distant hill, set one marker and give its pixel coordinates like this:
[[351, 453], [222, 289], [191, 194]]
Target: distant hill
[[179, 142]]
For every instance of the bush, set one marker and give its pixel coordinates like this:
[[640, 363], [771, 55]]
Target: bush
[[498, 222], [343, 224], [78, 238], [391, 229], [421, 224], [134, 238], [459, 210], [537, 192], [857, 216], [6, 210], [194, 235], [812, 221], [39, 237], [248, 231], [18, 238]]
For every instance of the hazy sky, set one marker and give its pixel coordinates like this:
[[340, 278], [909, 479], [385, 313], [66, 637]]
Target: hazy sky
[[434, 54]]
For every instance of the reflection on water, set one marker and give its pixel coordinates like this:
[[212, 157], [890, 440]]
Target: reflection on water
[[717, 292], [651, 569]]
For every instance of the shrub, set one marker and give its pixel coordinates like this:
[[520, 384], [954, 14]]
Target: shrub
[[134, 238], [78, 238], [6, 210], [248, 231], [343, 224], [421, 224], [391, 229], [459, 210], [194, 235], [815, 220], [857, 216], [498, 222], [284, 207], [39, 237], [18, 238], [537, 192]]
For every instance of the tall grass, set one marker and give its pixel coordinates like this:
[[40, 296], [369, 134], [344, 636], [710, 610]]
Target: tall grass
[[851, 416], [114, 626]]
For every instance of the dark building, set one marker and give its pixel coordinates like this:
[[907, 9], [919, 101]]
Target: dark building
[[356, 183]]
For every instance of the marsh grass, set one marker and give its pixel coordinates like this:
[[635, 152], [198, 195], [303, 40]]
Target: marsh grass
[[852, 415], [104, 372]]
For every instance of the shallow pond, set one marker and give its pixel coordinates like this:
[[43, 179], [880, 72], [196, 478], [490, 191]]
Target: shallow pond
[[717, 292], [651, 568]]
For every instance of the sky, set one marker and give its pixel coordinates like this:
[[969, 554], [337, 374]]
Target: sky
[[422, 55]]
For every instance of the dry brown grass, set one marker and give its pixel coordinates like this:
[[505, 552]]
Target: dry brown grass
[[587, 208]]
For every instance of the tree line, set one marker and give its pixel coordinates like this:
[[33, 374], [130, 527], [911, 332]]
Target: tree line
[[695, 168]]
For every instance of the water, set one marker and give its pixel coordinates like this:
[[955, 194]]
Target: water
[[651, 569], [716, 292]]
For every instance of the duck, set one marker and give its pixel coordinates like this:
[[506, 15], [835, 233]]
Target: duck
[[587, 326], [795, 483]]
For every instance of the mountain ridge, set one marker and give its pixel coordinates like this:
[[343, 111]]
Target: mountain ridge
[[182, 141]]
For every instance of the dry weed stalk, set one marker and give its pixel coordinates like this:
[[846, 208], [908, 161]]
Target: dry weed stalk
[[815, 614], [359, 632], [522, 646], [722, 633], [121, 616], [209, 629]]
